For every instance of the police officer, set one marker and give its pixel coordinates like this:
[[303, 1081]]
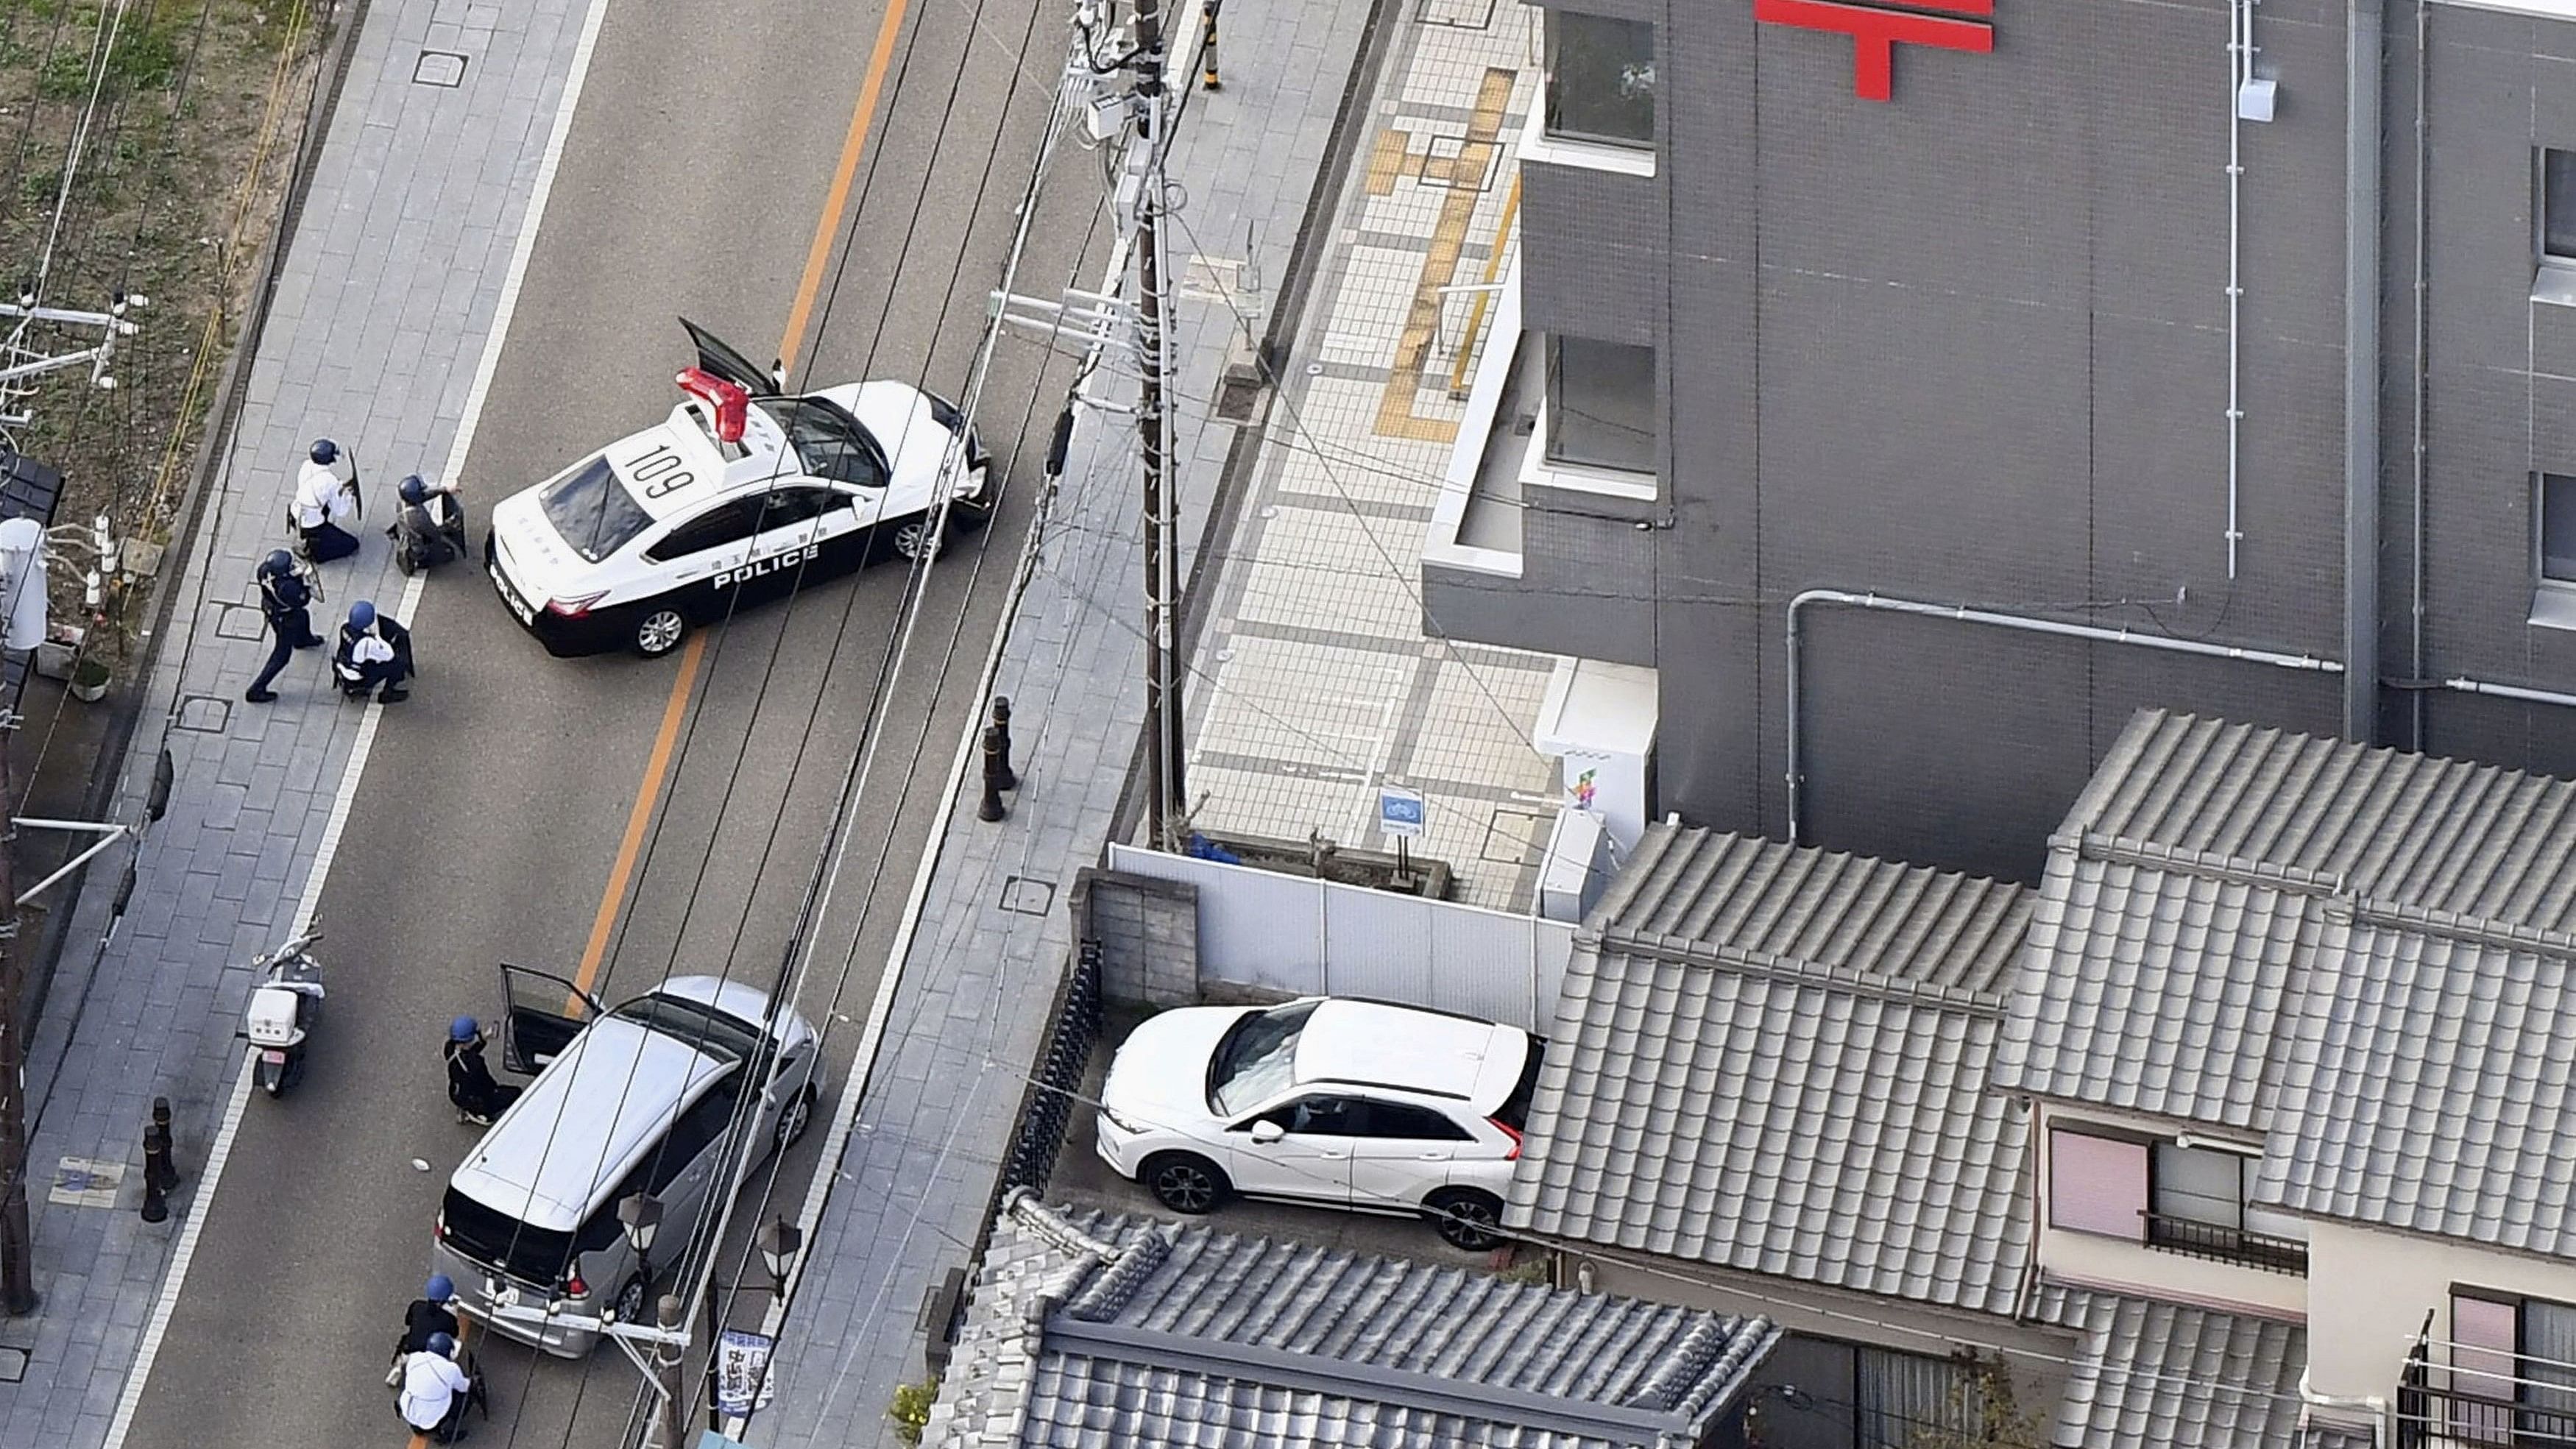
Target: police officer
[[375, 649], [285, 601], [478, 1098], [435, 1392], [326, 493]]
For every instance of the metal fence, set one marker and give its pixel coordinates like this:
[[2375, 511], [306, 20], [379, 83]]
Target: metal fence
[[1071, 1033], [1296, 934]]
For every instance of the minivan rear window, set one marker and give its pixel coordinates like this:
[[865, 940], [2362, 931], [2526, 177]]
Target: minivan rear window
[[531, 1254]]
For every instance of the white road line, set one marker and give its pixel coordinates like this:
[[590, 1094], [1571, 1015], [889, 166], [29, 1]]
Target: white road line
[[158, 1325]]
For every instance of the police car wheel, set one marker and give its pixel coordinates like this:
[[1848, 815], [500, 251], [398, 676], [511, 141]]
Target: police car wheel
[[659, 632], [913, 537]]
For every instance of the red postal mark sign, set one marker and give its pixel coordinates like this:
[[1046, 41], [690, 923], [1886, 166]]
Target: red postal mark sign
[[1876, 31]]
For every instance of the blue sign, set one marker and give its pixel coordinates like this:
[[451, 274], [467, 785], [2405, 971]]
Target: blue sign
[[742, 1371], [1400, 812]]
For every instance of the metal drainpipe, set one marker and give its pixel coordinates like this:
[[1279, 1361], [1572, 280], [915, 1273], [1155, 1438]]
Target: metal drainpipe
[[2524, 693], [2240, 46], [2023, 622], [2364, 55], [2415, 518], [2310, 1400]]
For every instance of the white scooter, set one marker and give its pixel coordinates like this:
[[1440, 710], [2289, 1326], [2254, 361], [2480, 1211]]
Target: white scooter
[[283, 1009]]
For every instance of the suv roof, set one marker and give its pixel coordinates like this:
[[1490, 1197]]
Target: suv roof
[[1405, 1047]]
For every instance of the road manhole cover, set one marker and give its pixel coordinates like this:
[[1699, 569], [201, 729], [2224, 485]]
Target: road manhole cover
[[439, 68]]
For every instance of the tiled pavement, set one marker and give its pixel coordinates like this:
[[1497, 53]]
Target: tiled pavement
[[920, 1164], [1315, 683], [369, 345]]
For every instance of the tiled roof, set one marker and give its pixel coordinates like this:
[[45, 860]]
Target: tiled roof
[[2153, 1375], [2357, 952], [1095, 1328], [2428, 1090], [1773, 1059]]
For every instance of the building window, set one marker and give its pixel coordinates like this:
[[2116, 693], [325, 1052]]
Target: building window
[[2186, 1200], [1822, 1393], [2513, 1370], [2558, 528], [2097, 1184], [2558, 205], [1600, 79], [1601, 405]]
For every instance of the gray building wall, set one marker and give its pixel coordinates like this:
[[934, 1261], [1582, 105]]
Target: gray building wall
[[1970, 346]]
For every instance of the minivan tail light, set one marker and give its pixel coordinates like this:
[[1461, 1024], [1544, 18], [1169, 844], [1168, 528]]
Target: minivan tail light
[[573, 1285], [1511, 1132]]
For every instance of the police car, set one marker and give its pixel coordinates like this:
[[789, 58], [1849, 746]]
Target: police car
[[742, 495]]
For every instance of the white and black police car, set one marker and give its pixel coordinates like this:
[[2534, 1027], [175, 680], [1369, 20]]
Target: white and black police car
[[743, 494]]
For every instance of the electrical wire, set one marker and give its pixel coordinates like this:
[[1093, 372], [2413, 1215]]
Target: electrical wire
[[1652, 1266]]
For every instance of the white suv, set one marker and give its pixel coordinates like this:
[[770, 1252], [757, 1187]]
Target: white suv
[[1327, 1100]]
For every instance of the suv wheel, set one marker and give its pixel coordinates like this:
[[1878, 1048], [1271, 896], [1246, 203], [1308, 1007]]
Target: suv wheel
[[1186, 1182], [1467, 1218], [660, 631]]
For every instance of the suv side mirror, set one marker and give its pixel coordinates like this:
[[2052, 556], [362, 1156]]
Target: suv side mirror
[[1265, 1132]]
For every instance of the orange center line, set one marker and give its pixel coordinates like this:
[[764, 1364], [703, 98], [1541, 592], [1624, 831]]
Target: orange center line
[[657, 767], [853, 147]]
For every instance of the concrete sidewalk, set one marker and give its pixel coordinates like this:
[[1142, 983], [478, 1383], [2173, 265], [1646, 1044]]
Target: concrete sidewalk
[[385, 296], [918, 1172]]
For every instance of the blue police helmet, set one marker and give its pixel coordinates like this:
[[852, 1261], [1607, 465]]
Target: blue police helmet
[[463, 1028], [362, 615], [443, 1344], [412, 490], [279, 561], [440, 1288], [325, 451]]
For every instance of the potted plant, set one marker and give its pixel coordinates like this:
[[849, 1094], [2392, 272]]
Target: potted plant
[[89, 680]]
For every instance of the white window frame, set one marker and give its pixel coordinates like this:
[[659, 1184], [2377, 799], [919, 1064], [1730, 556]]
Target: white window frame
[[2553, 600], [1537, 143]]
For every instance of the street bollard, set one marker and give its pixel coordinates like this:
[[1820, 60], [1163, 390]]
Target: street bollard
[[1207, 43], [1002, 722], [169, 1144], [156, 1154], [991, 808]]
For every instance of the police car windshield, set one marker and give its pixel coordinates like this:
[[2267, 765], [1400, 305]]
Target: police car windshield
[[593, 511]]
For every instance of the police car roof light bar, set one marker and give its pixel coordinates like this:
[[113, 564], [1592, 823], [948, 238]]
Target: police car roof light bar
[[730, 404]]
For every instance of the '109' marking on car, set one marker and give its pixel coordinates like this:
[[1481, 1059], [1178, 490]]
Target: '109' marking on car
[[659, 473], [725, 578]]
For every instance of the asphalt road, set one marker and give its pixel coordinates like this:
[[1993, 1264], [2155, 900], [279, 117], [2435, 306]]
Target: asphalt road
[[492, 810]]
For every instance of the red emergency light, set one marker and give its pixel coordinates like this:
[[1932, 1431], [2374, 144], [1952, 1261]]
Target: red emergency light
[[730, 404]]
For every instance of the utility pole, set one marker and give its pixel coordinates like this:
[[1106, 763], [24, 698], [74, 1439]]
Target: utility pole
[[17, 1238], [1167, 796]]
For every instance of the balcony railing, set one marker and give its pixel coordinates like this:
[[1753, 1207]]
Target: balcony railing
[[2222, 1244], [2433, 1415]]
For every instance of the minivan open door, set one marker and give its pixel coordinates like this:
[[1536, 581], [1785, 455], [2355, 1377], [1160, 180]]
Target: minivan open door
[[545, 1013], [715, 357]]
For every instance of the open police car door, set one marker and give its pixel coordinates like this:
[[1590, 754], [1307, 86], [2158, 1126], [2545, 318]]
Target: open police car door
[[719, 360], [545, 1012]]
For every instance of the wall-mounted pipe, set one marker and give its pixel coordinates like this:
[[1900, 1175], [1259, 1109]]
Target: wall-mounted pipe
[[2025, 623], [2240, 53], [2364, 63], [2521, 692], [2415, 514]]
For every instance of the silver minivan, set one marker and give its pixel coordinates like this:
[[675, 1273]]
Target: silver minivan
[[636, 1099]]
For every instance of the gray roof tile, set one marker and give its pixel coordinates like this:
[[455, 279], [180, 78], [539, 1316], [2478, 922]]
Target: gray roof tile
[[2156, 1375], [1773, 1059], [1095, 1329], [2359, 953]]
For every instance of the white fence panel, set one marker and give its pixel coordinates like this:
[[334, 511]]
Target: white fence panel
[[1289, 933], [1377, 944]]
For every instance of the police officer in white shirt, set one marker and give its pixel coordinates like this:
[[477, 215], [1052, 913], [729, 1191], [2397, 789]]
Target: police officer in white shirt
[[326, 495], [435, 1392]]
